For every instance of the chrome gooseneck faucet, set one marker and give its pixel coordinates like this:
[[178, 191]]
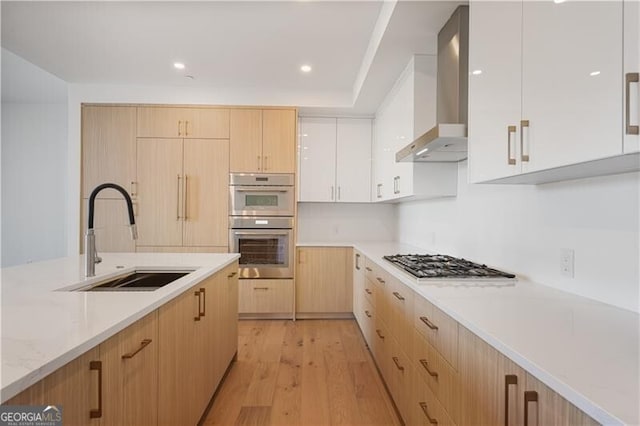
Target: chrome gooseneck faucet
[[91, 255]]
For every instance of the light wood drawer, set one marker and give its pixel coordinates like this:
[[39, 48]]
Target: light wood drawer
[[425, 408], [369, 291], [437, 373], [382, 349], [400, 372], [369, 323], [440, 330], [265, 296], [374, 272], [400, 299]]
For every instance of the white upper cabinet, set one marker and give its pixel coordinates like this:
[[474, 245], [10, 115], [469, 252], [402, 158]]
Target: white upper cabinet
[[495, 64], [631, 70], [353, 160], [571, 78], [335, 159], [545, 89], [409, 110], [317, 159]]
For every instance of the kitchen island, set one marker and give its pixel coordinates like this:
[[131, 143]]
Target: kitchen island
[[47, 323]]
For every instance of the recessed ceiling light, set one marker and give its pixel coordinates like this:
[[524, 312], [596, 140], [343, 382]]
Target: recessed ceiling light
[[305, 68], [559, 1], [178, 65], [476, 72], [594, 73]]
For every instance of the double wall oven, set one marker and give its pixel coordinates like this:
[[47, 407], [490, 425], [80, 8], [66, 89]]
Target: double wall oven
[[261, 209]]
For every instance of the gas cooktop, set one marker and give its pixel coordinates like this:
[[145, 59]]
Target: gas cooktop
[[439, 266]]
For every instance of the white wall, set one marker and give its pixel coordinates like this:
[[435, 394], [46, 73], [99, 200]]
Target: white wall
[[346, 222], [523, 229], [34, 163]]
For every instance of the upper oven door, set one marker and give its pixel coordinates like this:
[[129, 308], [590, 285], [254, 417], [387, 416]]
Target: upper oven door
[[253, 200]]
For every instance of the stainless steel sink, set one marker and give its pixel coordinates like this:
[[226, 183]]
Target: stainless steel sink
[[138, 281]]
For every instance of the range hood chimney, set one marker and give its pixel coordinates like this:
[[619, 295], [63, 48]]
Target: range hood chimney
[[447, 141]]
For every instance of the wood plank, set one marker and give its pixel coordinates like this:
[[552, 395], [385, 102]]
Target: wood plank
[[253, 416], [287, 398], [263, 384]]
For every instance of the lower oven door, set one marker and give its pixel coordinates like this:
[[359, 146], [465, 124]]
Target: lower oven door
[[264, 253]]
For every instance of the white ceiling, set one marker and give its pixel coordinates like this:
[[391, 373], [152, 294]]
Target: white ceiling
[[356, 48]]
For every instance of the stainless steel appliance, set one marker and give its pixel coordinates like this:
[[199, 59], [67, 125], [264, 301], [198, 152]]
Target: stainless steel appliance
[[427, 267], [447, 141], [259, 194], [265, 244], [261, 212]]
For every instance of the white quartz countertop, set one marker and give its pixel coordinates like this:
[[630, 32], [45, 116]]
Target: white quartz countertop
[[44, 328], [585, 350]]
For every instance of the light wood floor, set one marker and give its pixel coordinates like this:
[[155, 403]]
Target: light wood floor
[[308, 372]]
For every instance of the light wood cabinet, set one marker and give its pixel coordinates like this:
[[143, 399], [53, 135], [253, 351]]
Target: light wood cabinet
[[324, 280], [438, 328], [108, 149], [171, 122], [178, 325], [400, 318], [359, 280], [130, 375], [263, 141], [74, 387], [162, 369], [494, 390], [265, 297], [182, 192]]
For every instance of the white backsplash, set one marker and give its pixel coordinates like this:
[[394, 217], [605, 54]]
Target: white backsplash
[[345, 222], [523, 229]]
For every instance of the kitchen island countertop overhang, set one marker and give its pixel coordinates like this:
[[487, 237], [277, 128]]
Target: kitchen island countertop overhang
[[44, 325]]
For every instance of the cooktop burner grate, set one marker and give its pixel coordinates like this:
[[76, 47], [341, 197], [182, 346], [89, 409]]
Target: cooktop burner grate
[[425, 266]]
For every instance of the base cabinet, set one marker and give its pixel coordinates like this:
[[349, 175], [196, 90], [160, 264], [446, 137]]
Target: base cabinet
[[438, 372], [260, 297], [324, 280], [163, 369]]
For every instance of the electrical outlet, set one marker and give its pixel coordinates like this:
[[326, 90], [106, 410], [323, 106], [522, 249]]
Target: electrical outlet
[[567, 260]]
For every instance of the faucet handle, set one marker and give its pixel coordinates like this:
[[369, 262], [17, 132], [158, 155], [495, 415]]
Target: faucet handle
[[97, 259]]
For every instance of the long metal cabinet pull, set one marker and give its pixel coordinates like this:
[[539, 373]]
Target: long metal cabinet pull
[[509, 379], [266, 159], [179, 128], [428, 323], [197, 294], [368, 291], [178, 200], [398, 295], [379, 189], [186, 199], [259, 168], [357, 261], [425, 410], [523, 124], [97, 366], [379, 334], [339, 193], [367, 314], [261, 288], [396, 361], [425, 365], [511, 156], [143, 345], [204, 303], [134, 192], [186, 128], [630, 129], [231, 275], [529, 396]]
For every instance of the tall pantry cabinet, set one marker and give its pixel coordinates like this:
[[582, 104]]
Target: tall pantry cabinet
[[182, 178], [174, 162]]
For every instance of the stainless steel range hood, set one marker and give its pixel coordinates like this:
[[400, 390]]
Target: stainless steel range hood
[[447, 141]]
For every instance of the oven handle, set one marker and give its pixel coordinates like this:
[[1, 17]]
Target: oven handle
[[268, 233], [260, 190]]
